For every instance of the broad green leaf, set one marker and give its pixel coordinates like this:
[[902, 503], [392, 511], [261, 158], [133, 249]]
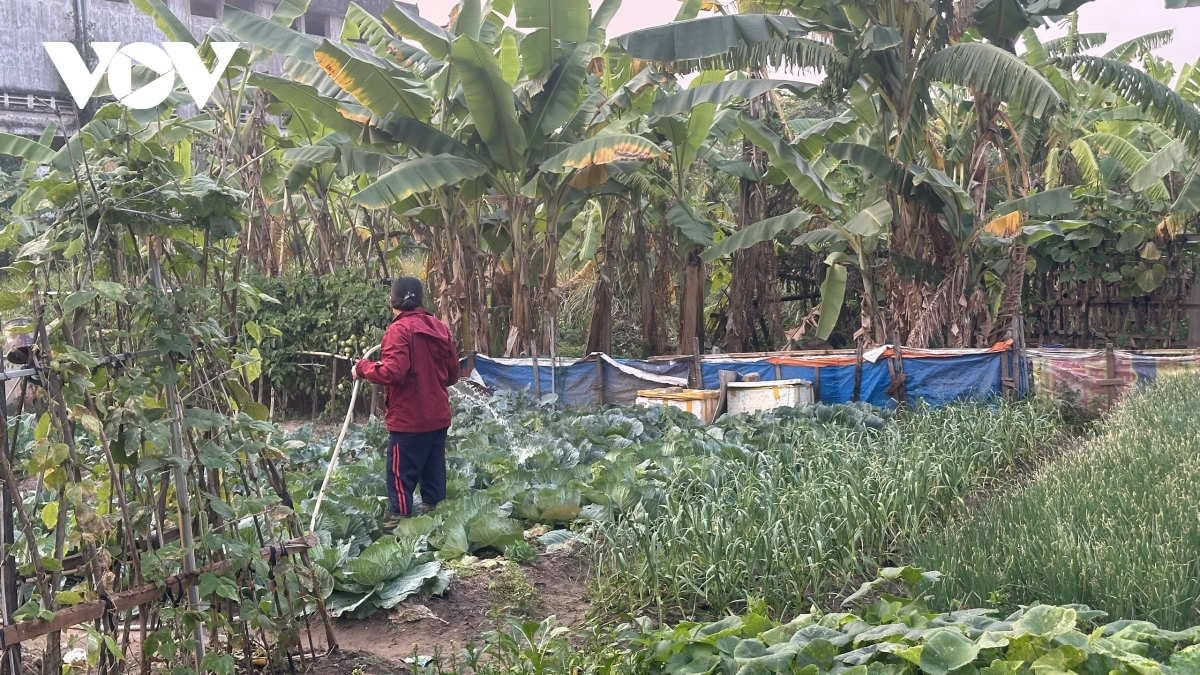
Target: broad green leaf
[[165, 19], [111, 290], [49, 515], [374, 85], [1045, 620], [564, 19], [758, 232], [1149, 279], [10, 301], [30, 151], [833, 295], [802, 177], [268, 34], [404, 19], [995, 72], [470, 19], [1165, 161], [871, 221], [302, 98], [602, 149], [77, 300], [710, 37], [257, 411], [811, 142], [382, 561], [1001, 19], [692, 227], [1041, 205], [820, 237], [564, 90], [417, 176], [427, 140], [1155, 99], [879, 37], [287, 11], [407, 584], [947, 650], [688, 10], [490, 530], [598, 28], [1189, 195], [491, 102], [868, 159], [721, 92], [509, 59]]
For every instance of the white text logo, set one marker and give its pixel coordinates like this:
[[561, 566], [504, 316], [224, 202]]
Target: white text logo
[[171, 58]]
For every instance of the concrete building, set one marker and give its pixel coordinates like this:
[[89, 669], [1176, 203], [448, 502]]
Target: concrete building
[[31, 92]]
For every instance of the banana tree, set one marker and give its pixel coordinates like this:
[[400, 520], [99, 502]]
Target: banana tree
[[474, 108], [889, 56]]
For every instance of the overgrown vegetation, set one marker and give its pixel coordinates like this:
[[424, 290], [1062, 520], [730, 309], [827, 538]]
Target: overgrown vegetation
[[1112, 525]]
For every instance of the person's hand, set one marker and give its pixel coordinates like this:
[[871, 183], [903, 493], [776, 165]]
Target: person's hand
[[354, 371]]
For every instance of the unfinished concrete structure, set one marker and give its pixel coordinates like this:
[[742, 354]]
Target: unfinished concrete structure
[[32, 95]]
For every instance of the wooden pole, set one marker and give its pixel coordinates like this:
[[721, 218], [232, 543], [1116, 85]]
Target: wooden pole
[[599, 380], [96, 609], [697, 363], [1110, 369], [333, 386], [816, 384], [858, 366], [1194, 316], [900, 384], [537, 375]]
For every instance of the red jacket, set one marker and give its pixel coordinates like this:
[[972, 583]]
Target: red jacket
[[417, 363]]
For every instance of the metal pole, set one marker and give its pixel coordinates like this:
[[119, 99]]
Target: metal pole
[[182, 495]]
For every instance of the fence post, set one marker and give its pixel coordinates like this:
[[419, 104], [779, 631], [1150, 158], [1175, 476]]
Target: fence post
[[858, 361], [1110, 369], [1006, 380], [182, 490], [599, 379], [537, 375]]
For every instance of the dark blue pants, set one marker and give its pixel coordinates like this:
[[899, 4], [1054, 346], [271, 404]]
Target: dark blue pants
[[414, 459]]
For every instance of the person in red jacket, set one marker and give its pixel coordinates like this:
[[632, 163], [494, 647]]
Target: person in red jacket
[[417, 364]]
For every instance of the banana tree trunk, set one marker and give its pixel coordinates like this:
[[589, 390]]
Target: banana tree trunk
[[752, 316], [521, 329], [600, 328], [691, 304]]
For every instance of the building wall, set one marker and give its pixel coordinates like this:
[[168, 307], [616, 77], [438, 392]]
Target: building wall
[[31, 92]]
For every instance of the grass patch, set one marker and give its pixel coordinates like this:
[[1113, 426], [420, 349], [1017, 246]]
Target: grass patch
[[1114, 525]]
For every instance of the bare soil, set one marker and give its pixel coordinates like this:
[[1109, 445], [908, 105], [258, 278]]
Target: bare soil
[[476, 602]]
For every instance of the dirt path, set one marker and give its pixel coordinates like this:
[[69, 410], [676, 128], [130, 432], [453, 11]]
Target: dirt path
[[476, 602]]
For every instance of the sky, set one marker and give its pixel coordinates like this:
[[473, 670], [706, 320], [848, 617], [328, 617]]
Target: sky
[[1121, 19]]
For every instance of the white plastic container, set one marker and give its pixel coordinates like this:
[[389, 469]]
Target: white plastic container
[[702, 403], [749, 397]]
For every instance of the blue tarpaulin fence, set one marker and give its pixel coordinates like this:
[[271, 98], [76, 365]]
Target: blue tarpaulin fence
[[936, 377]]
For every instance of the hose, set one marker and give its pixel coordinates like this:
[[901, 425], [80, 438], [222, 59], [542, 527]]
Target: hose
[[337, 449]]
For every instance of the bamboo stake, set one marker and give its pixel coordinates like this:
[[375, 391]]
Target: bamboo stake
[[312, 525], [96, 609], [182, 495]]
